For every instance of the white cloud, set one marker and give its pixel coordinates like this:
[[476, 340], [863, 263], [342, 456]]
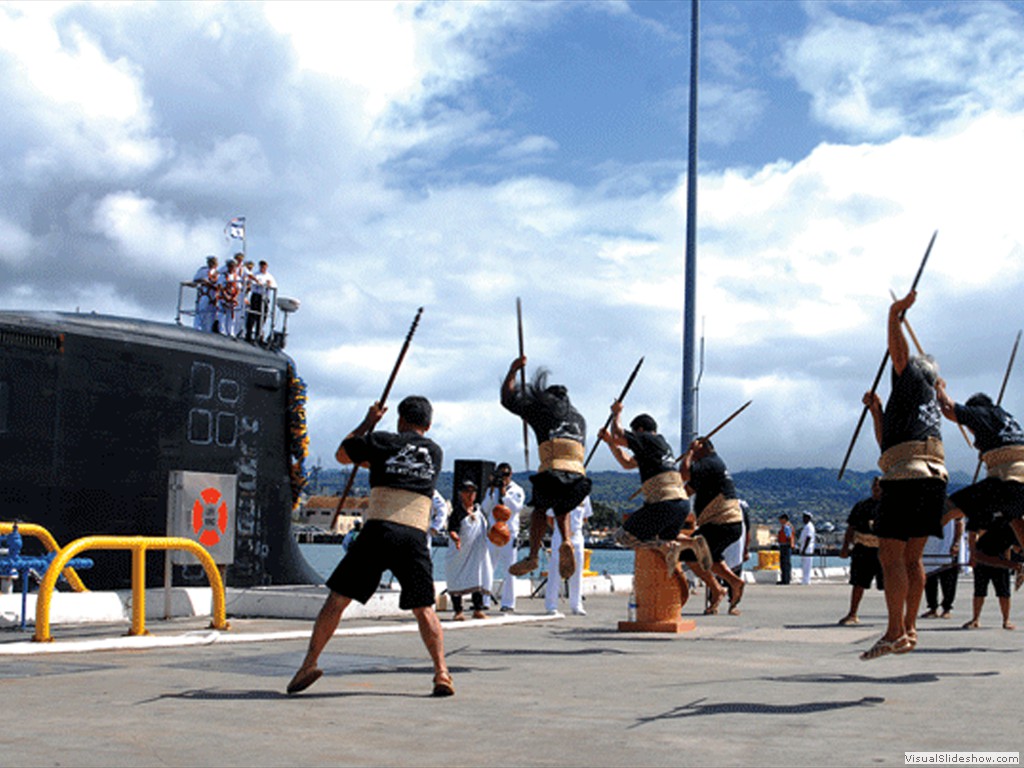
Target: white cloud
[[916, 69], [74, 108], [15, 242]]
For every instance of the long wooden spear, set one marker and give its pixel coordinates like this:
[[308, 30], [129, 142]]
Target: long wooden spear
[[1002, 391], [382, 401], [714, 431], [522, 382], [885, 359], [619, 399]]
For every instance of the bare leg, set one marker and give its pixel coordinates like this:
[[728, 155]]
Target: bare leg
[[323, 629], [433, 637], [566, 555], [1004, 607], [915, 582], [683, 584], [735, 584], [538, 527], [855, 597], [717, 590], [894, 572], [975, 621]]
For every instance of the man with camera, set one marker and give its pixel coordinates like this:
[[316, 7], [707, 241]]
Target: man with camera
[[503, 490]]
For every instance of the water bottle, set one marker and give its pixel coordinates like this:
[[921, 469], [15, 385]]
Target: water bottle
[[631, 608]]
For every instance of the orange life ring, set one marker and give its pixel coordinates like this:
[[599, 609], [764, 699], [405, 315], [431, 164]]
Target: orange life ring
[[209, 534]]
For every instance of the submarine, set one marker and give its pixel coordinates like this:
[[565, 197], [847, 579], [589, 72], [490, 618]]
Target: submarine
[[128, 427]]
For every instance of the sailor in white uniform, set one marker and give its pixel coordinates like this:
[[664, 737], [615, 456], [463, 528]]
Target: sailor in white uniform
[[504, 490], [551, 590]]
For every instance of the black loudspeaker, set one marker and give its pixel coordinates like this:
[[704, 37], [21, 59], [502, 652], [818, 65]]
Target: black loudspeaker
[[477, 470]]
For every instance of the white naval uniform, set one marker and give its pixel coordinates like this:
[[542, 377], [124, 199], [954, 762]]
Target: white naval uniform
[[551, 590], [806, 549], [439, 511], [502, 557]]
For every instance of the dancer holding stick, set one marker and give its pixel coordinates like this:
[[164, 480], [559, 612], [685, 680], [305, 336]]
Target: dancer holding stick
[[996, 503], [913, 481], [657, 524], [404, 466], [561, 483], [885, 360]]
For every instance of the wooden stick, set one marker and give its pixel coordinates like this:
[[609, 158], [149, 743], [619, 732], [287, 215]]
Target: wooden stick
[[382, 400], [619, 399], [1002, 391], [885, 359], [714, 431], [522, 382]]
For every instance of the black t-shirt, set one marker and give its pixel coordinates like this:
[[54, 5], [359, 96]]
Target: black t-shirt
[[997, 539], [708, 478], [652, 453], [912, 412], [863, 516], [407, 461], [992, 426], [546, 424]]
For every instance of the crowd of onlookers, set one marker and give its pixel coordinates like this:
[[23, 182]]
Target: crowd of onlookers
[[234, 298]]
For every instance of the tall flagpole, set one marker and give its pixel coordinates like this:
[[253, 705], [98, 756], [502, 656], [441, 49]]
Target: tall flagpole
[[689, 429]]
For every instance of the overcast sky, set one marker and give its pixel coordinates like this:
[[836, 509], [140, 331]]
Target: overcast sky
[[458, 155]]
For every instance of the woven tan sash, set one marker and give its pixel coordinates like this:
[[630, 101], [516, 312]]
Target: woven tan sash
[[865, 539], [914, 460], [1006, 463], [398, 506], [562, 454], [665, 486], [721, 511]]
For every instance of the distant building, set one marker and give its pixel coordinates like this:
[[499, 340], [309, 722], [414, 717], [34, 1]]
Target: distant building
[[319, 511]]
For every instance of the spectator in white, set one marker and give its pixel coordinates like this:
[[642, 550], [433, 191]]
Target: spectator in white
[[262, 283], [468, 567], [439, 511], [552, 588], [504, 490], [205, 281], [806, 544]]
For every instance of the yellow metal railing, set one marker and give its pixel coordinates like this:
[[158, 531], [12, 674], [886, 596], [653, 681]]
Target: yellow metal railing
[[138, 546], [38, 532]]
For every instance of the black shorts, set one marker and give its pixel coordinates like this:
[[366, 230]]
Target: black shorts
[[911, 509], [383, 546], [997, 539], [660, 520], [865, 567], [558, 491], [980, 502], [718, 537], [998, 577]]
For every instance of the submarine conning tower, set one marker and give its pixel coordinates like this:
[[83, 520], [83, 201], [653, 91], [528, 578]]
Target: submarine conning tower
[[102, 419]]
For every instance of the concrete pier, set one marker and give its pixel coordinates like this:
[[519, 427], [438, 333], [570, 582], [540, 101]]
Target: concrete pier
[[779, 685]]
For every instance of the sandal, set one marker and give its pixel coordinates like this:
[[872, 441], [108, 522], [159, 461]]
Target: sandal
[[524, 566], [443, 685], [737, 595], [712, 609], [847, 621], [303, 679], [566, 560], [884, 647], [909, 645], [972, 624]]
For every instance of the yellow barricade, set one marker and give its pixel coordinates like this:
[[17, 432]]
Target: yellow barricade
[[138, 546]]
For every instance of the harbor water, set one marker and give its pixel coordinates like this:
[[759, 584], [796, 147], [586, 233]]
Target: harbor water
[[324, 557]]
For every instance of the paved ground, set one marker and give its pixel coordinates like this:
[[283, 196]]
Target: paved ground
[[779, 685]]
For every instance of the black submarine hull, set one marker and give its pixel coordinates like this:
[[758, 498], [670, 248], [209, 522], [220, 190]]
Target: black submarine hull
[[97, 412]]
